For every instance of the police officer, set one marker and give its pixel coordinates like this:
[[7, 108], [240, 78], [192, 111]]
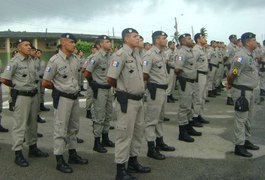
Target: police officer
[[155, 73], [61, 75], [186, 70], [202, 71], [89, 94], [2, 129], [96, 72], [231, 50], [20, 74], [80, 55], [243, 78], [124, 69], [170, 64], [262, 72], [141, 49]]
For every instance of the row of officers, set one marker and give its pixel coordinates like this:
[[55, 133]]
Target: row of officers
[[133, 73]]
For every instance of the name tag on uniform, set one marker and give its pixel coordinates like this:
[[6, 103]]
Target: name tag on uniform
[[115, 63]]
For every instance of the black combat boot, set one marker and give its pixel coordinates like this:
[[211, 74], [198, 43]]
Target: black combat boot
[[240, 150], [250, 146], [20, 160], [43, 108], [106, 142], [75, 159], [34, 151], [153, 152], [122, 173], [2, 129], [88, 114], [191, 131], [135, 167], [196, 122], [229, 101], [62, 165], [40, 120], [183, 134], [211, 94], [160, 145], [98, 146], [202, 120]]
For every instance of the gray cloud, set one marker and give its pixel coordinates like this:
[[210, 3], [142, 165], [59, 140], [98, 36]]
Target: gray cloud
[[236, 5], [79, 10]]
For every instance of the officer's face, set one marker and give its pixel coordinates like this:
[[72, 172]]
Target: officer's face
[[106, 45], [38, 54], [69, 45], [202, 40], [252, 43], [24, 48], [32, 52], [141, 43], [188, 41], [162, 41], [133, 40]]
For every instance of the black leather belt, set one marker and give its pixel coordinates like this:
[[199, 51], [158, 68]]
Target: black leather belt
[[241, 87], [69, 96], [190, 80], [202, 72], [103, 86], [160, 86], [215, 65], [135, 97], [31, 93]]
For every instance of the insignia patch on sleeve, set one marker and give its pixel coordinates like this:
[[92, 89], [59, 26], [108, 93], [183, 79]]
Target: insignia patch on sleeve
[[8, 68], [145, 63], [48, 69], [239, 59], [235, 71], [115, 63], [92, 61]]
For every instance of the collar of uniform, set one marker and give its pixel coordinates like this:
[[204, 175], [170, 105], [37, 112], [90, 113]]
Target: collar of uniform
[[187, 48], [61, 53], [247, 51], [156, 49], [127, 49], [199, 46], [103, 53], [21, 57]]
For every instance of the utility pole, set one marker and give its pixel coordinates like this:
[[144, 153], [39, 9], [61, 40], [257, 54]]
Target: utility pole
[[176, 35]]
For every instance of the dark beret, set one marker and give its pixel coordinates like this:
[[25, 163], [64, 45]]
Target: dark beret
[[103, 37], [183, 36], [32, 47], [141, 37], [170, 42], [198, 35], [158, 33], [212, 41], [232, 36], [68, 36], [20, 40], [94, 46], [247, 35], [128, 31]]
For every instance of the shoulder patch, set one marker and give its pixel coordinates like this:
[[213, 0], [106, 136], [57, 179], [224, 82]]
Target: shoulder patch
[[119, 52], [145, 63], [115, 63], [92, 61], [239, 59]]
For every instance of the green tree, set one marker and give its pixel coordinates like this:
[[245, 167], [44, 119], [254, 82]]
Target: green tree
[[204, 32], [84, 46]]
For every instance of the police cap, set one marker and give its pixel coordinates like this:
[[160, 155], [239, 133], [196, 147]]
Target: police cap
[[183, 36], [68, 36], [103, 37]]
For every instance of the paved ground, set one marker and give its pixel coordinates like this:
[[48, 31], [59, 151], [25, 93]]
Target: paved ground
[[209, 157]]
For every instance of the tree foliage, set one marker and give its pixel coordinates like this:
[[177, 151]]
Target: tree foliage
[[204, 32], [84, 46]]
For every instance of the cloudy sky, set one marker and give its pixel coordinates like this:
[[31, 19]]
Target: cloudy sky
[[220, 17]]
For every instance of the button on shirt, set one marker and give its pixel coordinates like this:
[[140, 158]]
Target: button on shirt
[[63, 72]]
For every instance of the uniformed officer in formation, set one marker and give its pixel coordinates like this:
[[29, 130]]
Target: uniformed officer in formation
[[61, 75], [231, 50], [185, 68], [89, 94], [20, 73], [124, 69], [96, 72], [262, 72], [80, 55], [243, 78], [200, 87], [2, 129], [155, 73], [170, 64]]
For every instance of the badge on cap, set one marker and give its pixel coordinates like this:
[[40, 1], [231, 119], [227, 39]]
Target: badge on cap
[[115, 63], [163, 34], [130, 30], [67, 36]]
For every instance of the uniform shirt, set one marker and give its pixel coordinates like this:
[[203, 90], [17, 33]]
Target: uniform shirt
[[154, 65], [200, 58], [21, 71], [126, 68], [63, 72], [170, 57], [40, 66], [87, 60], [231, 50], [243, 66], [186, 62], [213, 56], [99, 66]]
